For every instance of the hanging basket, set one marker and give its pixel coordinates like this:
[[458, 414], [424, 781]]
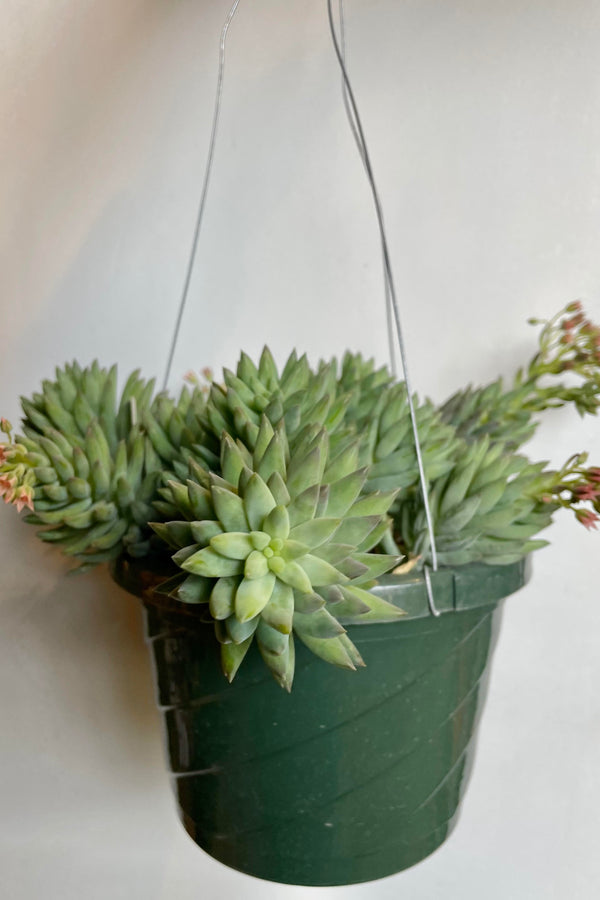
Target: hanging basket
[[352, 776]]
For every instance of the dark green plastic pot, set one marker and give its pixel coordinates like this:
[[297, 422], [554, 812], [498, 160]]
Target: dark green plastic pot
[[354, 775]]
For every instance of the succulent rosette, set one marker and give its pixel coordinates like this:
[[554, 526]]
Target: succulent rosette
[[278, 545], [87, 466]]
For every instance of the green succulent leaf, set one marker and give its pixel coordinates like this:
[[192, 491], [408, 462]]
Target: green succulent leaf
[[252, 596], [210, 564]]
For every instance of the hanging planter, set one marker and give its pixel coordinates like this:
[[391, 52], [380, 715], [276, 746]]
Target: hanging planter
[[332, 548], [335, 783], [258, 521]]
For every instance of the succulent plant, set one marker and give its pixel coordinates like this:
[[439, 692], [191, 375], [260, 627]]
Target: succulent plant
[[388, 445], [87, 467], [278, 545], [295, 478], [488, 508]]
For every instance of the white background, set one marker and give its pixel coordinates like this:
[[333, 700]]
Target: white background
[[484, 125]]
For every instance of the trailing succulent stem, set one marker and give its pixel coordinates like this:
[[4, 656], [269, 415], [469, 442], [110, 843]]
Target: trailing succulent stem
[[568, 343]]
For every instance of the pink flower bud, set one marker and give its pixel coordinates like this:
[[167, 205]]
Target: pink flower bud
[[587, 518], [575, 306]]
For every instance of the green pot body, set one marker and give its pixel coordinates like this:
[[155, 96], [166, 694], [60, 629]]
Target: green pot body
[[352, 776]]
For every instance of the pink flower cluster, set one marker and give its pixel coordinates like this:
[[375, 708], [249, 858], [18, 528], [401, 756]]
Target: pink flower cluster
[[20, 495], [580, 335], [12, 490], [588, 491], [573, 485]]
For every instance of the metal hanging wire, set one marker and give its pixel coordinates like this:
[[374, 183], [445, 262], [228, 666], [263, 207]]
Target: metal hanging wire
[[389, 310], [359, 134], [392, 308], [204, 194]]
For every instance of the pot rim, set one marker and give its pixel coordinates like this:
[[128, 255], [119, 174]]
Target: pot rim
[[454, 588]]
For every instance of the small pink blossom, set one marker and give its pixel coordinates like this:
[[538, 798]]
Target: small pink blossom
[[586, 492], [24, 498], [7, 487], [587, 518], [593, 474]]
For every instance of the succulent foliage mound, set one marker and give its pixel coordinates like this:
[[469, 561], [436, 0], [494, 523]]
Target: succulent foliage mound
[[283, 495], [88, 467]]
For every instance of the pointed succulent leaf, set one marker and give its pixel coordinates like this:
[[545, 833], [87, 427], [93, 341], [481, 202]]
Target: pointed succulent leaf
[[294, 550], [267, 370], [222, 597], [232, 656], [263, 439], [204, 530], [356, 529], [194, 590], [240, 631], [277, 523], [345, 463], [230, 509], [184, 553], [320, 572], [277, 487], [273, 460], [291, 573], [352, 569], [304, 473], [232, 461], [379, 610], [252, 596], [260, 539], [256, 565], [233, 544], [258, 502], [333, 553], [351, 650], [318, 624], [344, 493], [376, 504], [376, 564], [303, 507], [281, 665], [315, 532], [308, 603], [279, 611], [456, 519], [270, 639], [210, 564], [332, 650]]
